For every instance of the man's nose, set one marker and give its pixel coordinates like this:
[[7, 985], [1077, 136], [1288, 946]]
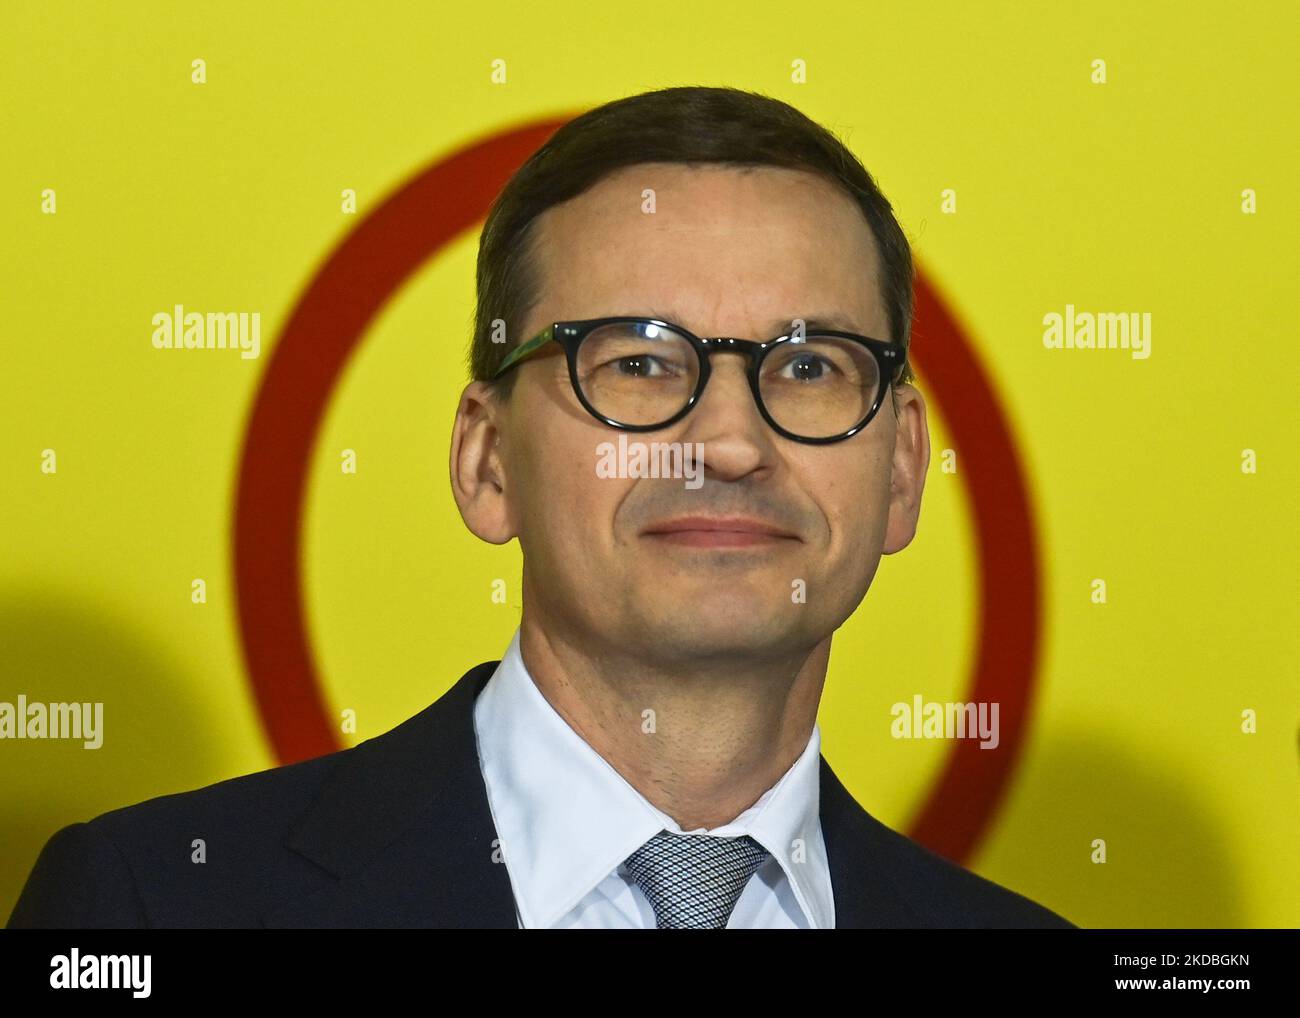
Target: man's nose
[[726, 420], [728, 386]]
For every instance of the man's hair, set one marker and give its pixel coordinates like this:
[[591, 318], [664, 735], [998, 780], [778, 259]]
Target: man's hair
[[689, 125]]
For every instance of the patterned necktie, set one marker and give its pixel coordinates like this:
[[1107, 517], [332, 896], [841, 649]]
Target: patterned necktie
[[694, 880]]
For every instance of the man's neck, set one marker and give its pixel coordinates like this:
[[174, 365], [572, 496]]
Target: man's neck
[[702, 744]]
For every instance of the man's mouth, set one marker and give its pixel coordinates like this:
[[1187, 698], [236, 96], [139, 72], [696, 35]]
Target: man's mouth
[[718, 532]]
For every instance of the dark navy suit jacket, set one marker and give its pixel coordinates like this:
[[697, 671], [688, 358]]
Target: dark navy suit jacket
[[396, 832]]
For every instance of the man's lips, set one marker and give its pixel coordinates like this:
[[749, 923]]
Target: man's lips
[[718, 531]]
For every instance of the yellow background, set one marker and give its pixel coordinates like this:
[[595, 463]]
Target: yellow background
[[1117, 197]]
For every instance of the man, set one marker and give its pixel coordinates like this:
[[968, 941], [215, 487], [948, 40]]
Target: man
[[707, 270]]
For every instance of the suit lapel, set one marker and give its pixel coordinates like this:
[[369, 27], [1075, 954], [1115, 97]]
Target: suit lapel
[[857, 850], [403, 826]]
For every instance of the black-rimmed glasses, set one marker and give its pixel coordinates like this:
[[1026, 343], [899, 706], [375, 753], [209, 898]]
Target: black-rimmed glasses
[[643, 374]]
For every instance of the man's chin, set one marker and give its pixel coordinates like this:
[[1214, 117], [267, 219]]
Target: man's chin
[[695, 632]]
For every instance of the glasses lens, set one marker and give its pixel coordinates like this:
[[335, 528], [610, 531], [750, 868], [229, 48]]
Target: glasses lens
[[819, 387], [637, 373]]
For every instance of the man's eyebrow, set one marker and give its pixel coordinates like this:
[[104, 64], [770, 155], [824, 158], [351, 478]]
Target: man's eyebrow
[[832, 320]]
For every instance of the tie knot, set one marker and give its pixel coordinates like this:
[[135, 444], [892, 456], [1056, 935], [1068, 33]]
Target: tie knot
[[693, 881]]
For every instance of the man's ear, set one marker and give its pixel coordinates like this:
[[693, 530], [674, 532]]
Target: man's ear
[[910, 462], [478, 476]]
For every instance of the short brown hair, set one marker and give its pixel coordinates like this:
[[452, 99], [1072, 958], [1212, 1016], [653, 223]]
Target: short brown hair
[[690, 125]]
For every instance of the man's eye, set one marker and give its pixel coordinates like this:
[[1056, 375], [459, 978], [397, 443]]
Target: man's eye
[[806, 367], [639, 366]]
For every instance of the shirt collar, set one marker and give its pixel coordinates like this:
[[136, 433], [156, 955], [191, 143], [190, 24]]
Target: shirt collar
[[566, 818]]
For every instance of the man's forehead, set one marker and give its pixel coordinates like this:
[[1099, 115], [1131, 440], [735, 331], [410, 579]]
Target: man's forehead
[[814, 321], [805, 249]]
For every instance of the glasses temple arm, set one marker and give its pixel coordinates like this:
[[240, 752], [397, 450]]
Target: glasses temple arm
[[523, 350]]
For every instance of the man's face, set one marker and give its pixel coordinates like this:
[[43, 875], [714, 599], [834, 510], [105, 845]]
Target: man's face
[[727, 252]]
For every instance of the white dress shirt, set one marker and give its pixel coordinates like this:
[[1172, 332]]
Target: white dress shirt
[[566, 821]]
